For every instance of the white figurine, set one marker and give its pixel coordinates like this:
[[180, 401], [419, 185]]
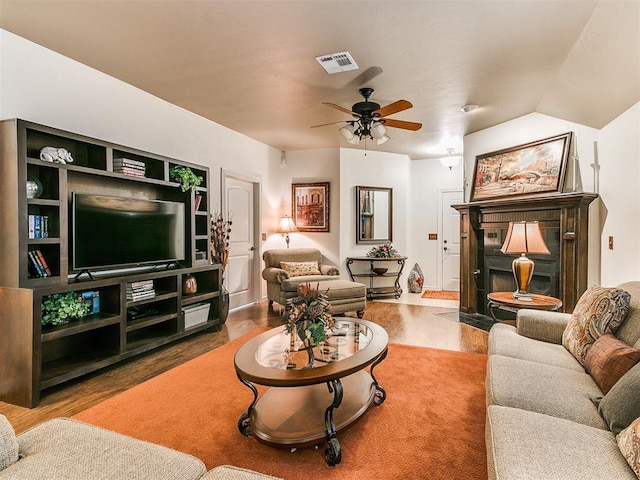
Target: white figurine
[[54, 154]]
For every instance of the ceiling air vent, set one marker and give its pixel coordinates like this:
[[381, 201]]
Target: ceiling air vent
[[337, 62]]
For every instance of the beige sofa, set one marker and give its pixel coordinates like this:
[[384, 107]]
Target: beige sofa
[[542, 420], [66, 449], [280, 285]]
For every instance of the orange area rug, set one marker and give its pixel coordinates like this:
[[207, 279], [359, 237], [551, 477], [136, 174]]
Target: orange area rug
[[441, 295], [430, 426]]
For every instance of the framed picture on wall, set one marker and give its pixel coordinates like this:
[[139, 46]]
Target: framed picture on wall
[[532, 169], [310, 206]]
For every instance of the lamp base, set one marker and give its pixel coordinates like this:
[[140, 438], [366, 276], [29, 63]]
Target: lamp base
[[522, 272]]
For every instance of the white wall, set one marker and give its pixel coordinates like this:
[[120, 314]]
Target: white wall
[[375, 169], [536, 126], [307, 166], [619, 156], [428, 179]]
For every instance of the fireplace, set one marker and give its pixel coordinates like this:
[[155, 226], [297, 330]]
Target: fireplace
[[484, 268]]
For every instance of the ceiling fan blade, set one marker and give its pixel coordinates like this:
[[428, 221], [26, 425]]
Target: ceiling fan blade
[[342, 109], [392, 108], [414, 126], [331, 123]]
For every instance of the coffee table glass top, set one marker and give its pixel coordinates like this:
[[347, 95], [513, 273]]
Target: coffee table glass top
[[287, 352]]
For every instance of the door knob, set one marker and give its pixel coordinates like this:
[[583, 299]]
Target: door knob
[[445, 248], [252, 249]]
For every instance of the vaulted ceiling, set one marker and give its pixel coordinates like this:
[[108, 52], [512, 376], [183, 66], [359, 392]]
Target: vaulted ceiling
[[250, 65]]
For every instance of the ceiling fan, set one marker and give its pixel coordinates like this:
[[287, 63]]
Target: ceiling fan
[[370, 121]]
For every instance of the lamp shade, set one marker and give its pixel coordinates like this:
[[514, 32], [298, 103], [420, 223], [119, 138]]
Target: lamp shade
[[524, 237], [347, 131], [286, 225]]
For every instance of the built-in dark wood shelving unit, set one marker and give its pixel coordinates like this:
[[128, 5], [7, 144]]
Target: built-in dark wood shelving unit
[[35, 357]]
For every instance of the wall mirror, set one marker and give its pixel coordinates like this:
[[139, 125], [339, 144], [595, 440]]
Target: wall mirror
[[373, 215]]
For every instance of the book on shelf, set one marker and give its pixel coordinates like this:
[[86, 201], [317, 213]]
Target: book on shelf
[[92, 300], [128, 161], [141, 296], [38, 226], [40, 268]]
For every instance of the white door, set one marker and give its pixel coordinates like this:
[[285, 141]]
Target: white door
[[450, 240], [239, 203]]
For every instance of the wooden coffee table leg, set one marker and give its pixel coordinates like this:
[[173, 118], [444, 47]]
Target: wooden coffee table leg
[[244, 423], [333, 453]]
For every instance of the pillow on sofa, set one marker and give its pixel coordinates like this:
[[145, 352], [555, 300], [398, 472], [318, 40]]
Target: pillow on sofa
[[8, 444], [620, 406], [600, 310], [608, 360], [298, 269], [629, 445]]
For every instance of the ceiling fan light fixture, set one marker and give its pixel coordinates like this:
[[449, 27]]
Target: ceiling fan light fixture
[[383, 139], [378, 130], [347, 132], [354, 140]]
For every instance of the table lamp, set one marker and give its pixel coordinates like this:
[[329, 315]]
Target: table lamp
[[523, 238], [286, 226]]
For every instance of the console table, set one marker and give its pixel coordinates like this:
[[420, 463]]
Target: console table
[[379, 268]]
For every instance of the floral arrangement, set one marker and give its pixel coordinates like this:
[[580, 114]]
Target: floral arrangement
[[308, 314], [383, 251], [220, 235]]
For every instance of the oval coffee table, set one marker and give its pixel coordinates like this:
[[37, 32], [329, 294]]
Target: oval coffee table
[[312, 395]]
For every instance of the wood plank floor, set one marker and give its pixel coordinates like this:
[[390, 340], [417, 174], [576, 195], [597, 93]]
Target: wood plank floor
[[408, 324]]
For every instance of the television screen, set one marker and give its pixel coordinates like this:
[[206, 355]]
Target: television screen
[[119, 232]]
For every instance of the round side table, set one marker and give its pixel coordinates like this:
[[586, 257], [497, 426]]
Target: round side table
[[505, 301]]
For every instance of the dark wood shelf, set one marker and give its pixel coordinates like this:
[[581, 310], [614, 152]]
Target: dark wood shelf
[[156, 298], [68, 368], [90, 322], [199, 297], [144, 322]]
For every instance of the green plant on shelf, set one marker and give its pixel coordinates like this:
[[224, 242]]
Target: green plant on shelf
[[188, 180], [61, 308]]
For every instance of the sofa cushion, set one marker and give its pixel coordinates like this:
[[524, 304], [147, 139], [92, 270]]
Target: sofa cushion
[[629, 331], [66, 449], [546, 389], [8, 444], [524, 445], [600, 310], [620, 406], [609, 359], [629, 445], [299, 269], [506, 341], [291, 284]]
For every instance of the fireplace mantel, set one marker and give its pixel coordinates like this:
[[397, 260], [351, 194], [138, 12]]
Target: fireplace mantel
[[564, 216]]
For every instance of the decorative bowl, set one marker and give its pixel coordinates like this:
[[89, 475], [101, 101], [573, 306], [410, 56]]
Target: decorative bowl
[[380, 270]]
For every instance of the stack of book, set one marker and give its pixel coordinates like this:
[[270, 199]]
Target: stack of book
[[38, 265], [140, 290], [38, 226], [126, 166]]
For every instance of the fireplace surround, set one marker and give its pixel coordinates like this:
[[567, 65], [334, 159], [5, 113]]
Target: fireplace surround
[[564, 221]]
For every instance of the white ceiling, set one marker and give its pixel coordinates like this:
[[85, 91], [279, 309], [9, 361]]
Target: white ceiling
[[249, 65]]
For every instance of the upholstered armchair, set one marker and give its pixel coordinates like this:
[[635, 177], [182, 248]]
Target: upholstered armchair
[[285, 269]]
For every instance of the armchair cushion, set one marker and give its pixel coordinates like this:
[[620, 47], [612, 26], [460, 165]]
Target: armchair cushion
[[299, 269]]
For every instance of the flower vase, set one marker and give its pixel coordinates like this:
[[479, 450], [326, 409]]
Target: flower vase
[[307, 341], [224, 304]]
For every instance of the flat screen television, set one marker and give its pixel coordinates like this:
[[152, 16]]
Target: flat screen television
[[117, 232]]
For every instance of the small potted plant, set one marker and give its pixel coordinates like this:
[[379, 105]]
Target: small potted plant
[[383, 251], [188, 180], [61, 308]]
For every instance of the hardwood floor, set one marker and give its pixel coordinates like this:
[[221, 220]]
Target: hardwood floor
[[408, 324]]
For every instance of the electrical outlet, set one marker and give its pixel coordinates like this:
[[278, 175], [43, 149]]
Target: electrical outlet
[[264, 237], [433, 236], [610, 242]]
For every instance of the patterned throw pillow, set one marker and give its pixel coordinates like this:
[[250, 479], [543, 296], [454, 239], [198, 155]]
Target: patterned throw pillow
[[298, 269], [608, 360], [629, 444], [600, 310], [8, 444]]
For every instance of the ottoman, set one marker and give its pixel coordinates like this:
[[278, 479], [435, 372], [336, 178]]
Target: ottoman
[[345, 296]]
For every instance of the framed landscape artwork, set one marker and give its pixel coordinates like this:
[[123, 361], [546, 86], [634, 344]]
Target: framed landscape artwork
[[531, 169], [310, 206]]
